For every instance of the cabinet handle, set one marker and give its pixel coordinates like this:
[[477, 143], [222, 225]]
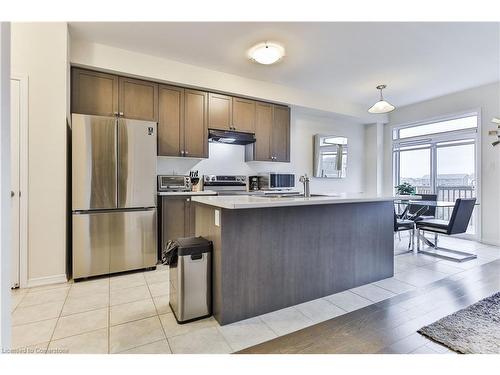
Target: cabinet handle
[[185, 152], [121, 113], [182, 152]]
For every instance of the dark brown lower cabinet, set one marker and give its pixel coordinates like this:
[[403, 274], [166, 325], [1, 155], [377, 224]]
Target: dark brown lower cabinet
[[177, 219]]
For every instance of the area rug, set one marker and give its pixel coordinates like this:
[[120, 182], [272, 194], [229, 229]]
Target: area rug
[[475, 329]]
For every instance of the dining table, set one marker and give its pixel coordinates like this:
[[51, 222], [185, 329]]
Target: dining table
[[424, 206]]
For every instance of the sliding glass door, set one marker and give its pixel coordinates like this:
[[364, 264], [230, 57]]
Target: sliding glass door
[[456, 175], [415, 167], [439, 158]]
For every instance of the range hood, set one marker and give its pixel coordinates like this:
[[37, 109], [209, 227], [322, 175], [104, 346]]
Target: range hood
[[230, 137]]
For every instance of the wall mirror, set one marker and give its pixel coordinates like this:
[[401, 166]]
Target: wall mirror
[[330, 156]]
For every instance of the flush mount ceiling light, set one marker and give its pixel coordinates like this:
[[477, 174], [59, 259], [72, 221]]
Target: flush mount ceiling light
[[266, 53], [381, 106]]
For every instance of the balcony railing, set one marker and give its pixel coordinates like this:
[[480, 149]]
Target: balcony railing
[[450, 194]]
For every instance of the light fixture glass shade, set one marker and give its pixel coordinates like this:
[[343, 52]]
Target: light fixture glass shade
[[266, 53], [381, 107]]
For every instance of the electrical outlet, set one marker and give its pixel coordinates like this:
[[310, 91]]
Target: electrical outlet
[[217, 218]]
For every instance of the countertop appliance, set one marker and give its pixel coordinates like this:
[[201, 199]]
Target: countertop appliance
[[226, 184], [113, 195], [174, 183], [276, 181], [253, 183]]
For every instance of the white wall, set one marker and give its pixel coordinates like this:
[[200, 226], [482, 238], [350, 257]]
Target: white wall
[[230, 159], [39, 51], [487, 99], [374, 158], [160, 69], [5, 280]]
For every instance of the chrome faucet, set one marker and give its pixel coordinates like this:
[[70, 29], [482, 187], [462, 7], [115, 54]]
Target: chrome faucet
[[305, 180]]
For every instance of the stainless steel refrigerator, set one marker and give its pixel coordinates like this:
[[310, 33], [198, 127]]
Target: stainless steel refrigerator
[[113, 195]]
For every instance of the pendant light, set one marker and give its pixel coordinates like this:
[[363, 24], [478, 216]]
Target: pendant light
[[381, 106]]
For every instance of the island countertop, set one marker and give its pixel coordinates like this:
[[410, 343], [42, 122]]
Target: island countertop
[[248, 201]]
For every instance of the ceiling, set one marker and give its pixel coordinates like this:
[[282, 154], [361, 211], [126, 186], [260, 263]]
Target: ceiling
[[417, 61]]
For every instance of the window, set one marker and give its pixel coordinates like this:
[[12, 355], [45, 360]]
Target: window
[[469, 122], [414, 166], [439, 158]]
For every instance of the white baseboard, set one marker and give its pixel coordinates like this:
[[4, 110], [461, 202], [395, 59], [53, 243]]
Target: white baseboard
[[488, 241], [46, 280]]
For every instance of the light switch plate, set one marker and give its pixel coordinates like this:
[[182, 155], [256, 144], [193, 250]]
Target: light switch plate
[[217, 218]]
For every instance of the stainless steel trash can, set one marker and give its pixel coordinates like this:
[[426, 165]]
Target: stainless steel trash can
[[191, 279]]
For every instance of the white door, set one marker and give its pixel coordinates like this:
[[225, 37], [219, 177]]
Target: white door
[[15, 90]]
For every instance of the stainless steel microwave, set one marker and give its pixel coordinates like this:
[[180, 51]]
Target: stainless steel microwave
[[276, 181], [174, 183]]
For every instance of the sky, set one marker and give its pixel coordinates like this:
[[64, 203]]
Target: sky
[[456, 159]]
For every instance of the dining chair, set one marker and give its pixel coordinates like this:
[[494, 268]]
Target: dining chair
[[417, 212], [401, 225], [458, 223]]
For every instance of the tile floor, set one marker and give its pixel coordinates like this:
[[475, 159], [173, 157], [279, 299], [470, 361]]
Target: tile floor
[[130, 313]]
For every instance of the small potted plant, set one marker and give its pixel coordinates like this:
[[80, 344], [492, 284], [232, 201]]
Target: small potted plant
[[405, 189]]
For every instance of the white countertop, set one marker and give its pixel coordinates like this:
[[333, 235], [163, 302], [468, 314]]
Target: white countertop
[[187, 193], [247, 201]]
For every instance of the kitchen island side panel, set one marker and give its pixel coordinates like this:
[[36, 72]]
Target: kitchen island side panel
[[266, 259]]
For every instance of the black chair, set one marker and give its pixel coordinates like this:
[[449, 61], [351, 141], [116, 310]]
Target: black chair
[[417, 212], [402, 225], [458, 223]]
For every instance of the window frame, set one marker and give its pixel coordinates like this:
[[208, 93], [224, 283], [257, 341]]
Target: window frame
[[434, 139]]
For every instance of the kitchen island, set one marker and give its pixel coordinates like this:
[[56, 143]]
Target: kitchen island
[[271, 253]]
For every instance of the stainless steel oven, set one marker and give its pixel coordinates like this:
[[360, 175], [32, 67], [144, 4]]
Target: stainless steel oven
[[276, 181], [226, 184]]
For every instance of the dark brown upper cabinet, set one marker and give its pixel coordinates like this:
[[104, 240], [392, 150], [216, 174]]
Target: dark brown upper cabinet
[[184, 115], [220, 111], [195, 124], [94, 93], [182, 124], [170, 120], [280, 135], [261, 149], [103, 94], [272, 134], [243, 115], [138, 99]]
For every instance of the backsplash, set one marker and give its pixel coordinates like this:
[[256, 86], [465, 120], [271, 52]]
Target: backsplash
[[223, 159]]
